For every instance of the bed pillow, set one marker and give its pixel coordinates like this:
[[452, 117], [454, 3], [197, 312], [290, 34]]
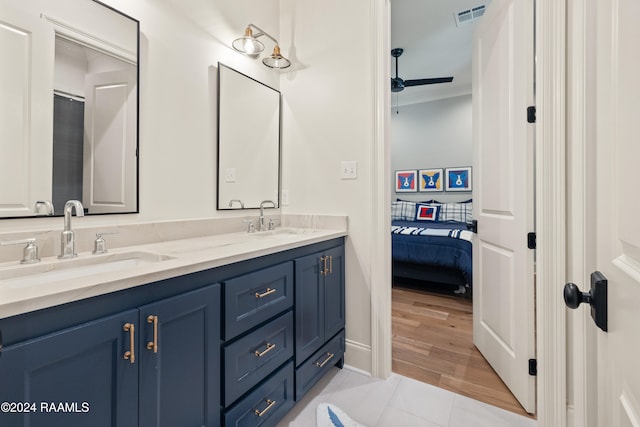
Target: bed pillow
[[458, 212], [403, 211], [427, 212]]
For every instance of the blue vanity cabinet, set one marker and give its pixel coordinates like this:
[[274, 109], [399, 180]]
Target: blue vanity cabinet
[[179, 360], [234, 345], [76, 377], [320, 303], [155, 365], [319, 314]]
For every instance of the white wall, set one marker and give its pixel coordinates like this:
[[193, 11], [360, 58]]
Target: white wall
[[434, 134], [328, 116]]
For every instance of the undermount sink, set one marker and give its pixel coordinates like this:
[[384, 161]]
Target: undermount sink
[[281, 232], [88, 265]]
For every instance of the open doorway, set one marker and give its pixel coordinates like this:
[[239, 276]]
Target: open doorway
[[431, 159]]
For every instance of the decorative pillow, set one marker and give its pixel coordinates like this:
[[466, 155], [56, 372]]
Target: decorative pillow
[[403, 211], [458, 212], [427, 212]]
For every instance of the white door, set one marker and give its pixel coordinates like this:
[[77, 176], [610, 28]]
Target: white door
[[26, 111], [618, 206], [110, 158], [503, 265]]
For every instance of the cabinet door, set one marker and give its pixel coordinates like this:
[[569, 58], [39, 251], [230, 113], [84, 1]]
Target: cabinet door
[[75, 377], [309, 306], [180, 367], [334, 319]]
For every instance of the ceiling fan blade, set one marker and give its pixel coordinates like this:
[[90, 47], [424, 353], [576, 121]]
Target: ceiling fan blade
[[435, 80]]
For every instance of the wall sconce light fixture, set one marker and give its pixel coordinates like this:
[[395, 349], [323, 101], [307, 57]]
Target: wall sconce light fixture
[[251, 46]]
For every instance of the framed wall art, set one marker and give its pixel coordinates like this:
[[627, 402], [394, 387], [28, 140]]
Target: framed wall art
[[406, 181], [430, 180], [458, 179]]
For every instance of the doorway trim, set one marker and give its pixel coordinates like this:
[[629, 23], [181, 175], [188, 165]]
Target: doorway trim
[[381, 237], [550, 39]]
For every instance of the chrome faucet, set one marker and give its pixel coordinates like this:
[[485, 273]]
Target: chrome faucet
[[261, 226], [67, 241]]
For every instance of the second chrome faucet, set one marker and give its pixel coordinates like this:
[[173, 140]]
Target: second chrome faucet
[[261, 226], [67, 240]]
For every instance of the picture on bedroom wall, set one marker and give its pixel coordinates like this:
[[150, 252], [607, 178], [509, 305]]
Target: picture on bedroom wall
[[406, 181], [458, 179], [430, 180]]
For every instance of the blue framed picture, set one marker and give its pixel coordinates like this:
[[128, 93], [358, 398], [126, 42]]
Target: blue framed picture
[[430, 180], [458, 179], [406, 181]]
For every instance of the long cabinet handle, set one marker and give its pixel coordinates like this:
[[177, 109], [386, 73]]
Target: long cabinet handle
[[330, 264], [323, 260], [130, 355], [325, 361], [270, 404], [153, 345], [268, 291], [265, 351]]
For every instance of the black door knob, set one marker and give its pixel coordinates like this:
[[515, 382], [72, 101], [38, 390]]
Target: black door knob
[[596, 298], [573, 297]]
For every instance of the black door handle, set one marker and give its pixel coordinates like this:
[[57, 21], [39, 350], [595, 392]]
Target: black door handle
[[596, 298], [573, 297]]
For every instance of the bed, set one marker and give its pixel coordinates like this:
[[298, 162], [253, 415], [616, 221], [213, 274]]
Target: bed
[[431, 242]]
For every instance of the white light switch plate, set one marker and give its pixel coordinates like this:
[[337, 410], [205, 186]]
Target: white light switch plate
[[348, 170]]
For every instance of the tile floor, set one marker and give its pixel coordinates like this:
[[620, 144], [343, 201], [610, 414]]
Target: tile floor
[[397, 401]]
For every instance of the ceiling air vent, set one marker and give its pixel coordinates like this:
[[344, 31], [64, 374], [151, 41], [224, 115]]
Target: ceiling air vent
[[469, 15]]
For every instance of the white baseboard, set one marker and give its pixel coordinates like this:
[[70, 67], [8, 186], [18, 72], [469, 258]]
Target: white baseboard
[[358, 357]]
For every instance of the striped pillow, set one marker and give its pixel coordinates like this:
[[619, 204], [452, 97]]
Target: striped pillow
[[403, 211], [458, 212]]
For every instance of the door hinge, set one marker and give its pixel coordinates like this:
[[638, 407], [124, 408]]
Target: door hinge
[[473, 226], [531, 240], [531, 114], [533, 367]]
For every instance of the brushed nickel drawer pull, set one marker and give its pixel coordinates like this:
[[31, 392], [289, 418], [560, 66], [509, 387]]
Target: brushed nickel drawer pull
[[323, 260], [269, 291], [325, 361], [264, 411], [153, 345], [331, 264], [130, 355], [265, 351]]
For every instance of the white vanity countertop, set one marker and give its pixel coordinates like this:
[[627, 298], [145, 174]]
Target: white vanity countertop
[[177, 258]]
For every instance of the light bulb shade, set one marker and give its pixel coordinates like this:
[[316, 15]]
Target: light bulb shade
[[276, 60], [248, 44]]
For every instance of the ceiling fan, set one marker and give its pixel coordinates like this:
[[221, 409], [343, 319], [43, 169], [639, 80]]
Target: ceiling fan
[[398, 85]]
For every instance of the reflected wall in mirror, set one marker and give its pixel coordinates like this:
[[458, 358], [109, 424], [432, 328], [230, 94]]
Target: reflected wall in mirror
[[70, 125], [248, 141]]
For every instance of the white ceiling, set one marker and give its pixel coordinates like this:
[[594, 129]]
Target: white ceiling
[[433, 47]]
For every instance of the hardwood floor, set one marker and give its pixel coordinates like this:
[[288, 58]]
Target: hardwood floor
[[433, 343]]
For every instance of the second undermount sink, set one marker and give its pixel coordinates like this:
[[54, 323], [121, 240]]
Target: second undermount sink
[[88, 265], [281, 232]]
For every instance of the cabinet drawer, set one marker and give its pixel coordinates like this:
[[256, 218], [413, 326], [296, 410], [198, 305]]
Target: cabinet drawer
[[255, 297], [318, 364], [253, 357], [267, 404]]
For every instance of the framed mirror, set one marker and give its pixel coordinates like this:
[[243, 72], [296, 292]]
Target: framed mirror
[[249, 116], [73, 69]]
